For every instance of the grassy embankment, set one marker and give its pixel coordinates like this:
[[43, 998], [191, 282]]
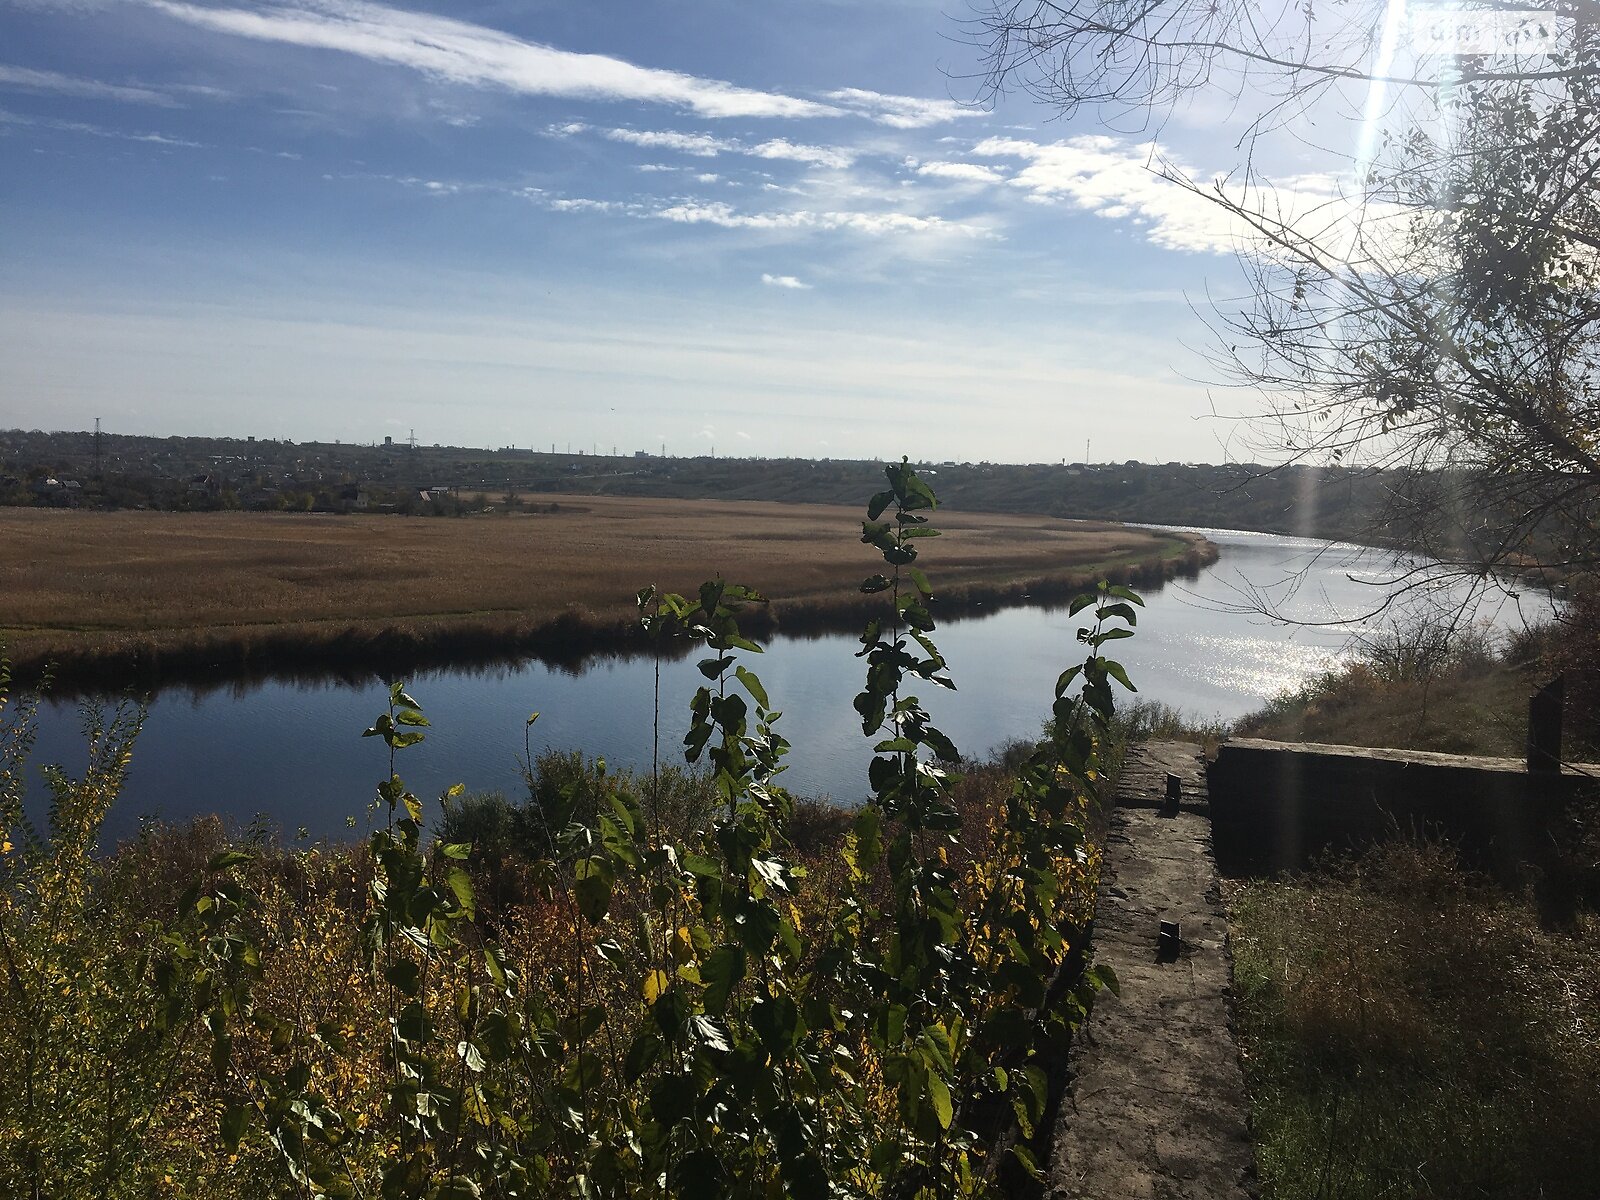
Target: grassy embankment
[[136, 595], [1410, 1029]]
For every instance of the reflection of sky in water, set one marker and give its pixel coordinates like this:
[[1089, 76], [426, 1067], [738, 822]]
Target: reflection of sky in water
[[294, 751]]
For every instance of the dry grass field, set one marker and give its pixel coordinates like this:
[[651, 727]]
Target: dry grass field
[[80, 584]]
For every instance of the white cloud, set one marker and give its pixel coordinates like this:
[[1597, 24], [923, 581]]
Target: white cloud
[[156, 139], [478, 56], [784, 281], [28, 79], [583, 204], [1136, 183], [705, 145], [702, 145], [901, 112], [707, 177], [1117, 180], [823, 156], [964, 172], [695, 212]]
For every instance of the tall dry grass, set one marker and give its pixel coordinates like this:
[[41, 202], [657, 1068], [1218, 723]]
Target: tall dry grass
[[1412, 1030], [138, 589]]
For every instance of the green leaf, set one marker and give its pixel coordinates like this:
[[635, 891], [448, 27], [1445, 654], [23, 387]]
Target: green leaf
[[701, 866], [471, 1056], [777, 1023], [592, 888], [1123, 611], [1116, 671], [1066, 678], [711, 1033], [712, 667], [1079, 603], [643, 1054], [235, 1119], [496, 968], [405, 975], [1030, 1164], [721, 973], [753, 685], [939, 1093], [228, 858], [711, 596]]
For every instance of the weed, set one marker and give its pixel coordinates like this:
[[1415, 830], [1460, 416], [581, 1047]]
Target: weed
[[1410, 1030]]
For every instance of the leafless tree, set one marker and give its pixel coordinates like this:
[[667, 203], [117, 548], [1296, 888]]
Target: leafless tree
[[1440, 320]]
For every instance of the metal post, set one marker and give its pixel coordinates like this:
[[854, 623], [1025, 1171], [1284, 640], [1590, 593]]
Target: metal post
[[1544, 726]]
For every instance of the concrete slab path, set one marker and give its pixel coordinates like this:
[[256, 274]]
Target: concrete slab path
[[1155, 1107]]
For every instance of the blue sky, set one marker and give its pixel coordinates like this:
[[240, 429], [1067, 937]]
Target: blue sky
[[770, 227]]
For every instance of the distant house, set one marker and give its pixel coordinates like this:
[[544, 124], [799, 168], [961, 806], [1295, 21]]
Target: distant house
[[205, 484], [352, 497]]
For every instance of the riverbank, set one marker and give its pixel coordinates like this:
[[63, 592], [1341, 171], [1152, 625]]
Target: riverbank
[[1410, 1027], [113, 600]]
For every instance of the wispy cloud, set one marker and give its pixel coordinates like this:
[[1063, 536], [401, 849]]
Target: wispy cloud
[[702, 145], [84, 127], [695, 212], [963, 172], [823, 156], [28, 79], [475, 55], [706, 145], [901, 112], [784, 281]]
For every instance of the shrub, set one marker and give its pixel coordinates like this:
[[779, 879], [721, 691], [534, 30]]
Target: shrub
[[698, 1013]]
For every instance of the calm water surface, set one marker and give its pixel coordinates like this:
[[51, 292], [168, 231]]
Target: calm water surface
[[292, 752]]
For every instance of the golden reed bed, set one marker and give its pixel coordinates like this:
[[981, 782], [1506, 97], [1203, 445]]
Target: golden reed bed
[[81, 585]]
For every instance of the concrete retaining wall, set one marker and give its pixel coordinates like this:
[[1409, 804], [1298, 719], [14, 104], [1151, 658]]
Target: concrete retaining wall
[[1278, 805]]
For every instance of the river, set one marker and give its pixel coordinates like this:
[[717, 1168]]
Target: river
[[291, 752]]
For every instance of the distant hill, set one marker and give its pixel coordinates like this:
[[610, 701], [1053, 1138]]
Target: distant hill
[[200, 473]]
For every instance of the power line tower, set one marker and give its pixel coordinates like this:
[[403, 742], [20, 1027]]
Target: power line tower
[[97, 459], [412, 440]]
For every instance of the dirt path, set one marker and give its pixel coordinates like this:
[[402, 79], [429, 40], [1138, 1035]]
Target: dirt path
[[1156, 1106]]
